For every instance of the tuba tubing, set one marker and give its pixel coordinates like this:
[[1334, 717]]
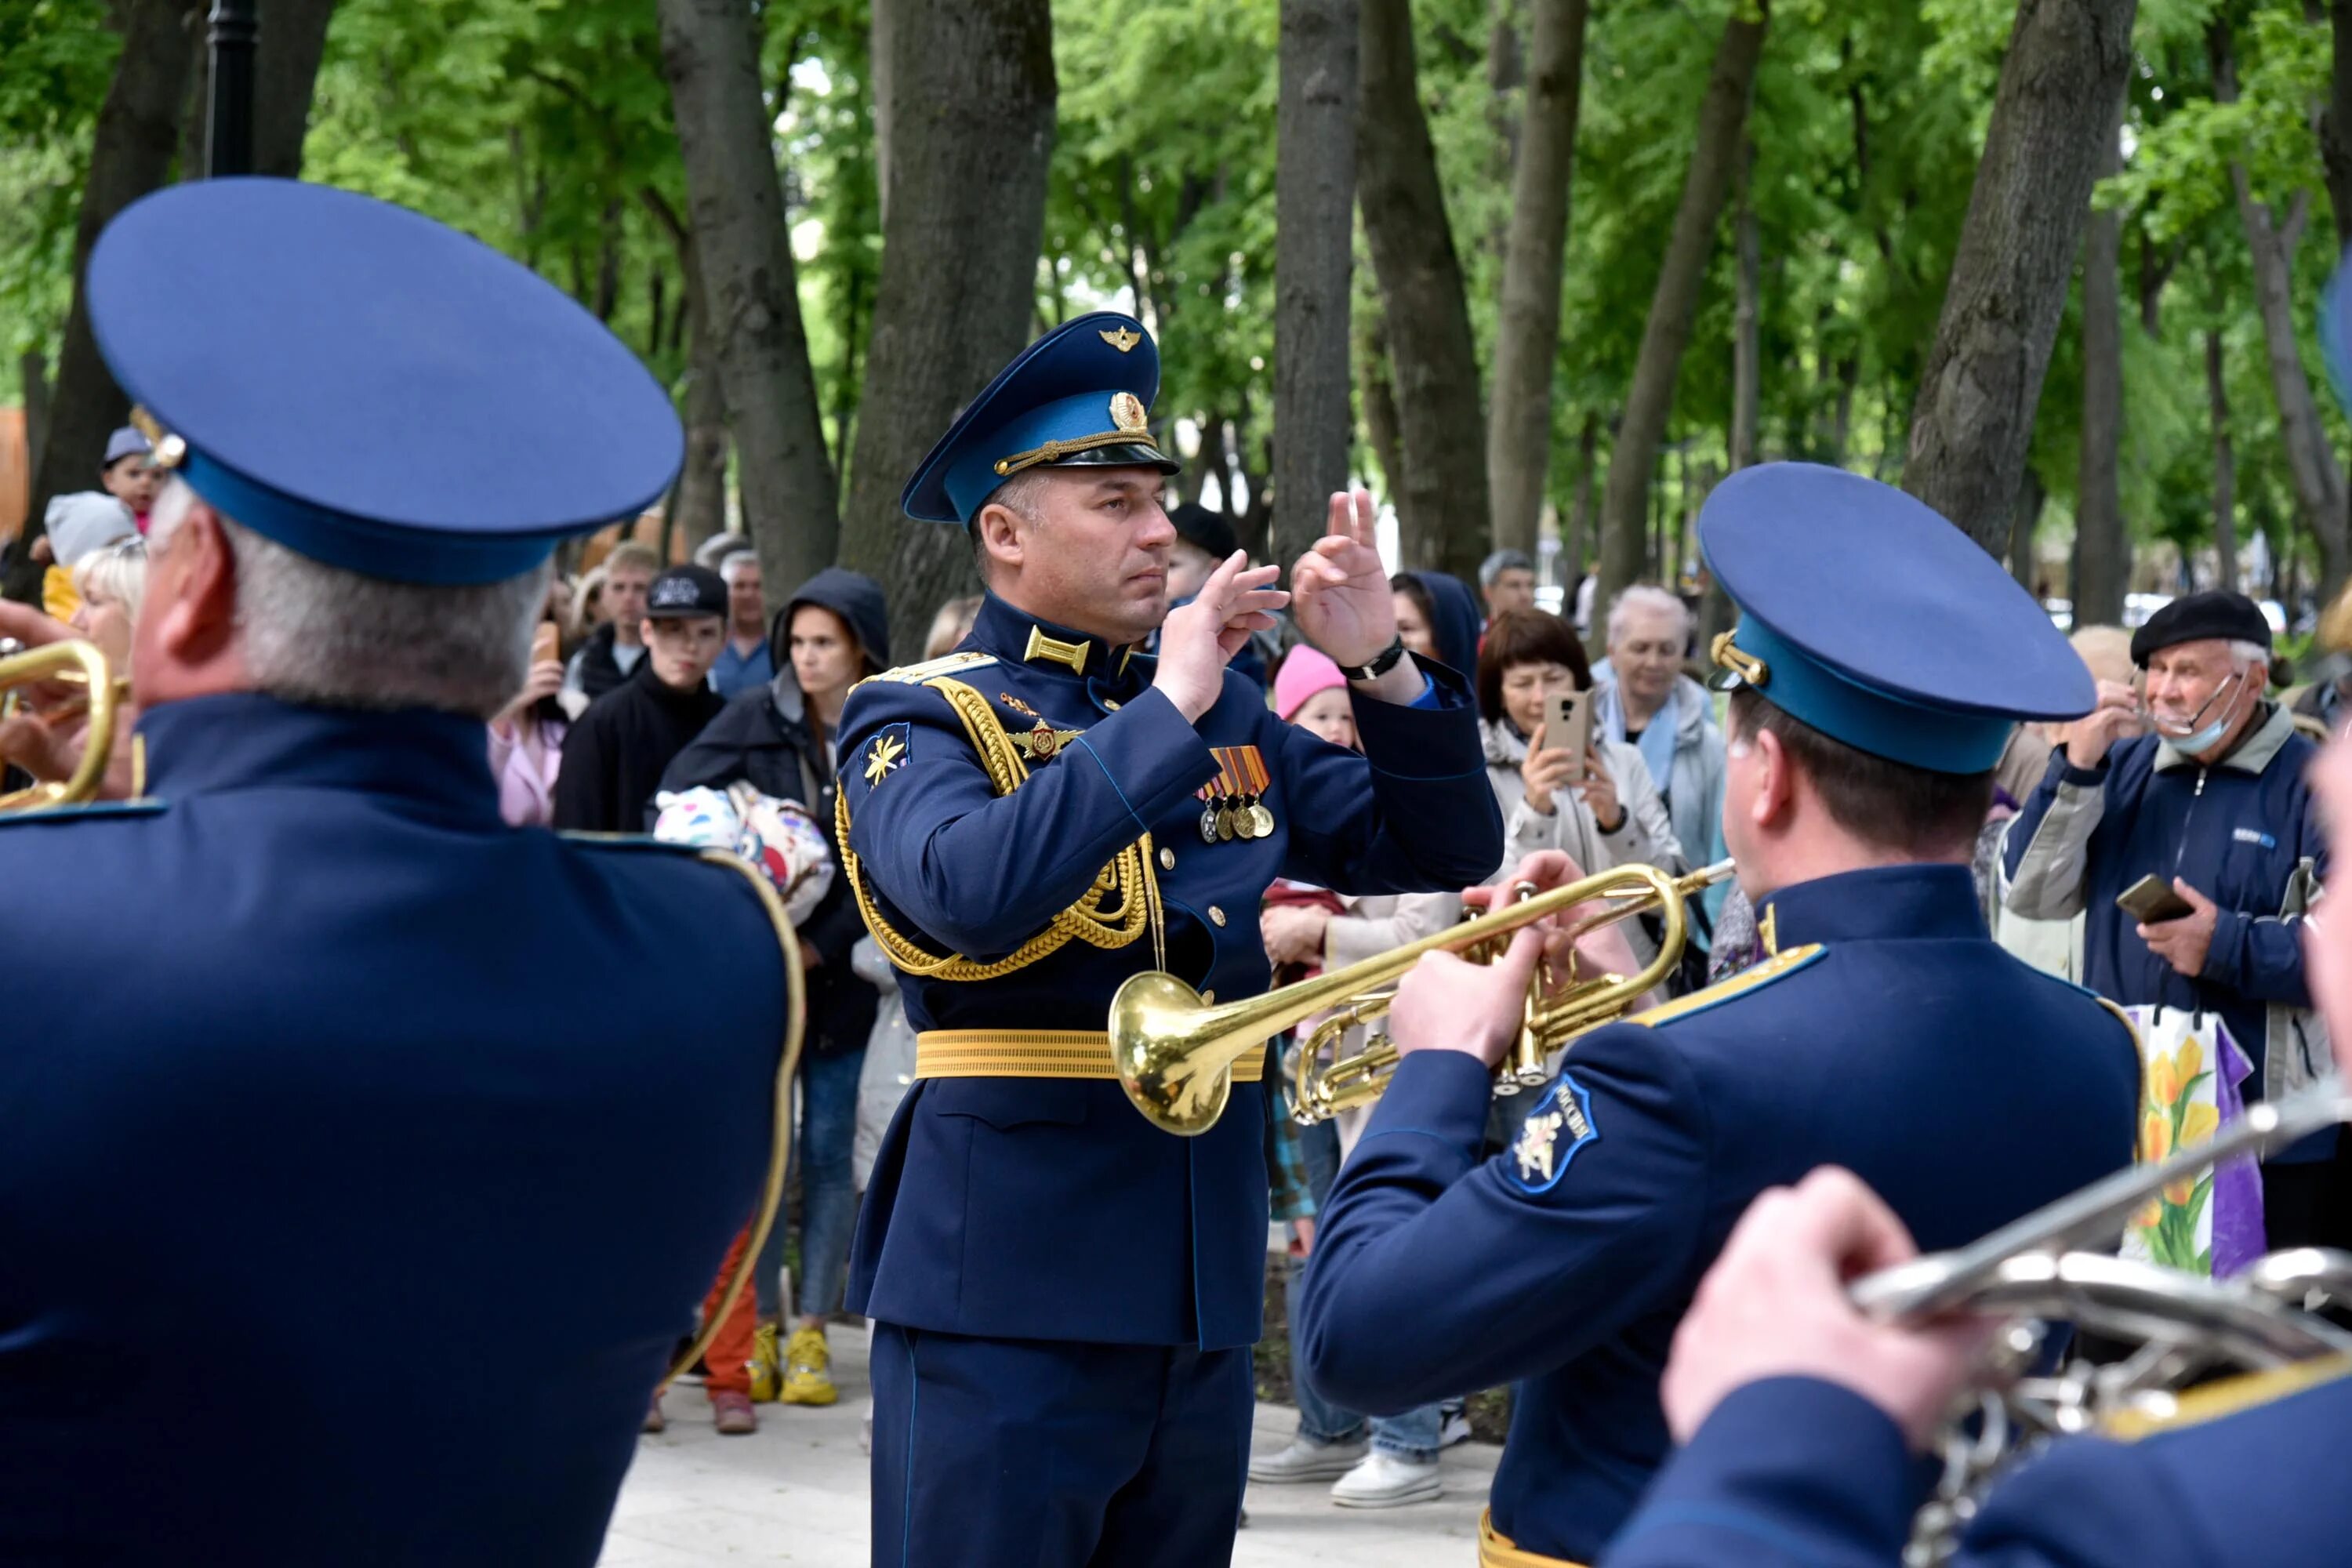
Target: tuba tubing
[[73, 662]]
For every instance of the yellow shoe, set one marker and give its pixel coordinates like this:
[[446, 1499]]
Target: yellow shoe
[[808, 1368], [766, 1367]]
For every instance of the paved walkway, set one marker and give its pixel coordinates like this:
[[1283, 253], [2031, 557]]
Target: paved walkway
[[795, 1493]]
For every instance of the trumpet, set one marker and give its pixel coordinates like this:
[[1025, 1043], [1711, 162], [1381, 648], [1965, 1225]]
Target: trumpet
[[1175, 1053], [71, 663], [2035, 1270]]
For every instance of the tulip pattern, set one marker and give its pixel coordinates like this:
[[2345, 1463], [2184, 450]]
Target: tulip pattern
[[2178, 1111]]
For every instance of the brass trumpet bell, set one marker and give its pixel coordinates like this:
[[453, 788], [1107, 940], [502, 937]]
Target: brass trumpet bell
[[1175, 1054], [74, 663]]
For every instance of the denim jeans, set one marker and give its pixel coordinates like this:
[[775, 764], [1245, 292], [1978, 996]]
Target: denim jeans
[[1412, 1435], [827, 1105]]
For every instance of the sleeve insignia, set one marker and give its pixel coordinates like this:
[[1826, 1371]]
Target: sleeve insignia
[[887, 752], [1560, 1125]]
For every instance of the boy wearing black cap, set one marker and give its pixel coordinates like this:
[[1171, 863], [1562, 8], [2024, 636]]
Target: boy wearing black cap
[[614, 758], [2213, 805]]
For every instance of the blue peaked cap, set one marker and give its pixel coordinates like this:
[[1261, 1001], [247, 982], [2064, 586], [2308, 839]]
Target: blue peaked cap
[[370, 388], [1870, 618], [1079, 396]]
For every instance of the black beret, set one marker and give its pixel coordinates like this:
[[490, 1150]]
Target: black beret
[[1196, 524], [2196, 618]]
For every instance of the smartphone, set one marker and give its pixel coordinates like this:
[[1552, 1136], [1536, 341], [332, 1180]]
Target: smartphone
[[1568, 725], [545, 643], [2151, 899]]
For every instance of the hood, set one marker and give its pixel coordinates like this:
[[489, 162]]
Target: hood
[[857, 599], [1458, 622], [1506, 747]]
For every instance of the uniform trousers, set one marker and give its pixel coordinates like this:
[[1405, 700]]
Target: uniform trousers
[[1035, 1454]]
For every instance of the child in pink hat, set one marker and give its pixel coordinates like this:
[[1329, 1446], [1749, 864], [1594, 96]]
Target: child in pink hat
[[1310, 693]]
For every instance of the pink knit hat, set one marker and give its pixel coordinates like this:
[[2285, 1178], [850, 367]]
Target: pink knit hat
[[1304, 673]]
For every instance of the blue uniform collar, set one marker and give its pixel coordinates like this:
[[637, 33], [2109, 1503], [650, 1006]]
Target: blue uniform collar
[[1883, 903], [247, 740], [1018, 638]]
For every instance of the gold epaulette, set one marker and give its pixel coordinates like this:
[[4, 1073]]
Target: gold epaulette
[[2229, 1396], [1779, 966], [945, 664]]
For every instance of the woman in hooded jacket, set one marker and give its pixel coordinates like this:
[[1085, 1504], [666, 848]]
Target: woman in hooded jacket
[[832, 633]]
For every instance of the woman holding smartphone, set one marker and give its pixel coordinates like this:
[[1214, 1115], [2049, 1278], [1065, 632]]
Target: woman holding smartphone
[[1561, 787]]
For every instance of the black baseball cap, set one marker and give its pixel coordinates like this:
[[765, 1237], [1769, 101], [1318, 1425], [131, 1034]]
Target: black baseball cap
[[684, 592], [2197, 618], [1197, 525]]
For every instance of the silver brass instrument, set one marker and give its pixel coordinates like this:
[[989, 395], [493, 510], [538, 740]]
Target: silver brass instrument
[[1175, 1052], [2034, 1271]]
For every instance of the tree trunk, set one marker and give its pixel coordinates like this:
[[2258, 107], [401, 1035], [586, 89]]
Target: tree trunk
[[131, 154], [701, 493], [1527, 337], [2105, 551], [878, 97], [1376, 385], [285, 73], [1442, 507], [1746, 374], [743, 251], [1576, 547], [2335, 123], [1314, 198], [2024, 518], [2225, 467], [2318, 478], [32, 375], [2054, 117], [971, 116], [1722, 120]]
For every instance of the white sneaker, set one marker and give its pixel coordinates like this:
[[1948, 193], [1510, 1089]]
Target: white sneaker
[[1456, 1426], [1308, 1460], [1387, 1481]]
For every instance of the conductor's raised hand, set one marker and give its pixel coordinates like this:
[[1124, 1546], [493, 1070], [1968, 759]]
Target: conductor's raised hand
[[1345, 607], [1197, 640]]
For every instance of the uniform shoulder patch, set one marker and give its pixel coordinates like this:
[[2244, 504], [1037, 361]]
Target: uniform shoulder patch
[[1780, 966], [945, 664], [88, 810], [1560, 1125]]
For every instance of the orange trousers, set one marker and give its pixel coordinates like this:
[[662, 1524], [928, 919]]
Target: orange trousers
[[729, 1359]]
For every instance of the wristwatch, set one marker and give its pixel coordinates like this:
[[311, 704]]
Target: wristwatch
[[1382, 662]]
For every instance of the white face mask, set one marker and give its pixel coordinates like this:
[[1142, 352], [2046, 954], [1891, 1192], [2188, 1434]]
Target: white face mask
[[2207, 738]]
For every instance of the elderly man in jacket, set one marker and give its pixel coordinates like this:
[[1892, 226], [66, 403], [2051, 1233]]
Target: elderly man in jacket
[[2214, 804]]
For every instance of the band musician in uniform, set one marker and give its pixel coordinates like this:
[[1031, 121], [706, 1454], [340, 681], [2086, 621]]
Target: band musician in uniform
[[1881, 659], [1802, 1419], [309, 1124], [1065, 1293]]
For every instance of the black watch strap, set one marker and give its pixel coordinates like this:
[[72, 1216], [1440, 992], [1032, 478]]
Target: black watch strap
[[1382, 662]]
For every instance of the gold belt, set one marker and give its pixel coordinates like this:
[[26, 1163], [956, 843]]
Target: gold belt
[[1033, 1053], [1496, 1550]]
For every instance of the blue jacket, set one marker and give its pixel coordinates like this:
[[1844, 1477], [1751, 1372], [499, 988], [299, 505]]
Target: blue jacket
[[1906, 1046], [324, 1076], [2243, 832], [1049, 1208], [1792, 1472]]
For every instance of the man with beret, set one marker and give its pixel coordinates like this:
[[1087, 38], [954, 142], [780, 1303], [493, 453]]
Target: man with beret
[[2216, 805], [1065, 1294], [614, 758], [1879, 662], [302, 1160]]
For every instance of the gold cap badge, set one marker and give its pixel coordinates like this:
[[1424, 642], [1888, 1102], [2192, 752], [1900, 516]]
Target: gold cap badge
[[1126, 412], [1120, 338]]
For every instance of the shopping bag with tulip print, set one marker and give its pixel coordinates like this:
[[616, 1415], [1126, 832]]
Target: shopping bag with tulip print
[[2190, 1073]]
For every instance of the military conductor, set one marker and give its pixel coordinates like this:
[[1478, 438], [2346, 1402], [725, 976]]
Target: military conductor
[[1065, 1294]]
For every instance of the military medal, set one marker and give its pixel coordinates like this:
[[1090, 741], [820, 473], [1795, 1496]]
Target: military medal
[[1209, 824], [1246, 820], [1230, 807], [1261, 820]]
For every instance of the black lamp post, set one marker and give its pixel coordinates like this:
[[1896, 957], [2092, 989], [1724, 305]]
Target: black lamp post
[[229, 123]]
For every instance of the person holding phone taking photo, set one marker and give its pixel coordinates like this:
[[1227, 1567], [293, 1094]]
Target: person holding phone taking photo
[[1560, 786]]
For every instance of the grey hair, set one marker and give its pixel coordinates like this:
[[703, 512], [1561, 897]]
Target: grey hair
[[329, 637], [2244, 656], [738, 558], [1021, 495], [1645, 596]]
